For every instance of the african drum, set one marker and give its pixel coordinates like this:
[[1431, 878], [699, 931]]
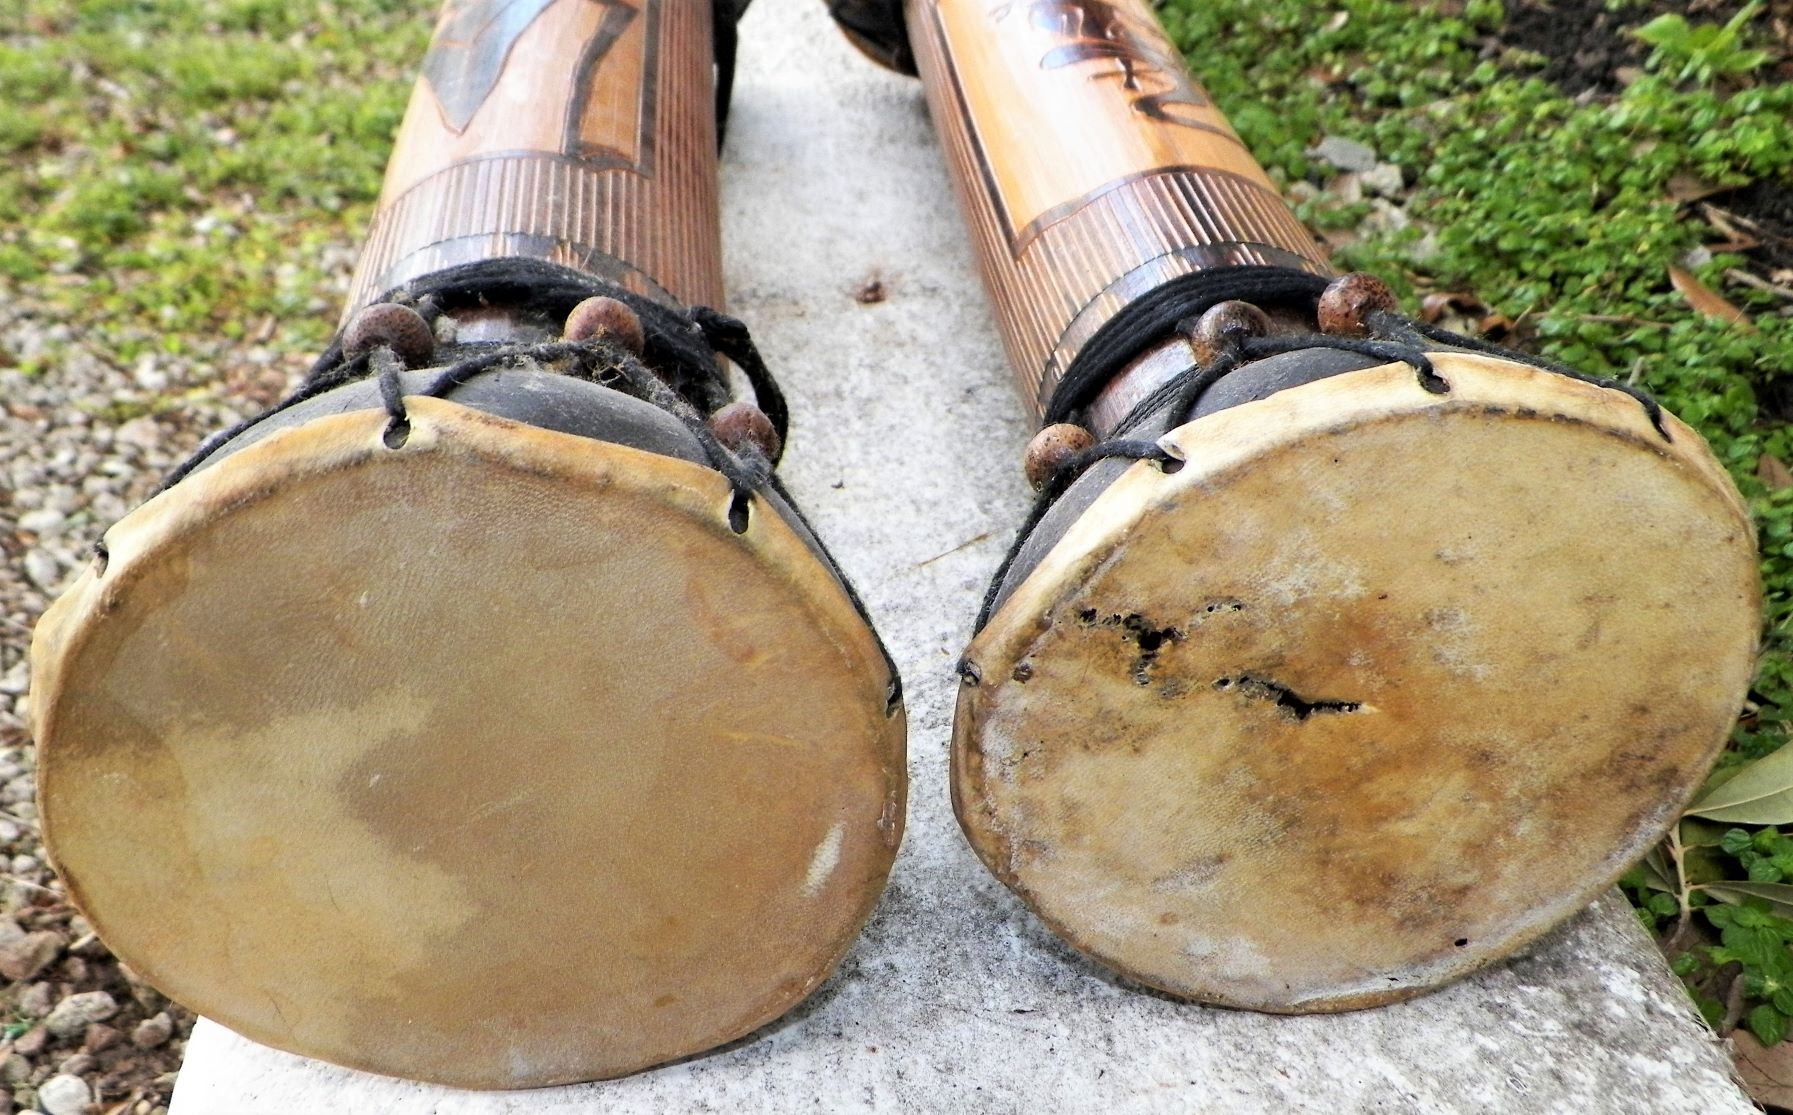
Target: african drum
[[1341, 655], [486, 713]]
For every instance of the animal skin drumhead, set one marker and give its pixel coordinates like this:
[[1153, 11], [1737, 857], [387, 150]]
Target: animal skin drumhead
[[497, 759], [1375, 688]]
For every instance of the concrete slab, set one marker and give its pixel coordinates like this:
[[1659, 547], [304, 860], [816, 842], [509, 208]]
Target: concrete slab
[[906, 453]]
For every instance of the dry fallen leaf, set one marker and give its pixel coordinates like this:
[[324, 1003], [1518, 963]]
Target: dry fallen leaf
[[1684, 187], [1773, 472], [1439, 303], [1706, 300], [1767, 1072]]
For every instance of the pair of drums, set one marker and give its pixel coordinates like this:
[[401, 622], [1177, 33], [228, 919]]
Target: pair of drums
[[503, 754]]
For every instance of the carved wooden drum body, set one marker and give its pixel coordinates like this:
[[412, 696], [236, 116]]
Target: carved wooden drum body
[[480, 718], [1348, 656]]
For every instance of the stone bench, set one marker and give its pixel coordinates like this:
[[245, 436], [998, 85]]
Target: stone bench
[[906, 452]]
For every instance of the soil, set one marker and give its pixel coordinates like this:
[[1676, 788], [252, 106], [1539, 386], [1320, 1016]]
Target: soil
[[1588, 48], [1765, 212]]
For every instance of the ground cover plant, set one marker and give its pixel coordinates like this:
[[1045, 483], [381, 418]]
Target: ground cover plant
[[183, 184]]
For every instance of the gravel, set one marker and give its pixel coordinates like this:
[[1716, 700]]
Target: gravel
[[64, 1095], [85, 435], [77, 1012], [1345, 154]]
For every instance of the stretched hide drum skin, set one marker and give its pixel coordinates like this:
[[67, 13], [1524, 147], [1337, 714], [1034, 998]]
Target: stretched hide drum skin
[[494, 759], [1375, 688]]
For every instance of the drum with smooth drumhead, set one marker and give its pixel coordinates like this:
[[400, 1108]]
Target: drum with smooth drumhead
[[486, 714]]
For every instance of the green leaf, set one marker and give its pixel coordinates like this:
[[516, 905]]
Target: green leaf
[[1696, 833], [1759, 794], [1783, 1000], [1769, 1025], [1753, 948], [1655, 871], [1662, 29], [1711, 1010], [1778, 896], [1736, 842]]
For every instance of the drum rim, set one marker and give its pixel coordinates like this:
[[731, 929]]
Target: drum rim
[[345, 440]]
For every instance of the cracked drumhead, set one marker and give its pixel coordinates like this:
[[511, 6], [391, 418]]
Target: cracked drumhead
[[495, 760], [1373, 690]]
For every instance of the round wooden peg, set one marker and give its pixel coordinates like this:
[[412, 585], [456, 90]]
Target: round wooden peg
[[390, 325], [1346, 305], [607, 318], [742, 426], [1225, 326], [1051, 448]]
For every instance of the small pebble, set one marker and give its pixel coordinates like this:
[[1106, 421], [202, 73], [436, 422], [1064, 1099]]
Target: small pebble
[[1383, 179], [77, 1064], [74, 1014], [41, 567], [36, 1000], [22, 959], [1345, 154], [142, 433], [64, 1095], [44, 520], [100, 1037], [152, 1032]]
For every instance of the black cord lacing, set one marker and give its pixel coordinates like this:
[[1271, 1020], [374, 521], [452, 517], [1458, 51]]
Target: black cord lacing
[[724, 17], [1146, 320], [680, 344], [1395, 339]]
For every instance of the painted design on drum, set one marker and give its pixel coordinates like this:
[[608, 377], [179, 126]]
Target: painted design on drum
[[473, 45], [574, 141], [1099, 30], [1090, 166]]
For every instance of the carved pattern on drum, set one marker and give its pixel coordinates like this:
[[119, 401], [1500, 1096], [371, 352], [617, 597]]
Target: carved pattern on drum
[[1056, 273], [1097, 29], [581, 132]]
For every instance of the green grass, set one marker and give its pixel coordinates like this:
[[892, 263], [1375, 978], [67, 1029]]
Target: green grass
[[171, 167], [1559, 215]]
